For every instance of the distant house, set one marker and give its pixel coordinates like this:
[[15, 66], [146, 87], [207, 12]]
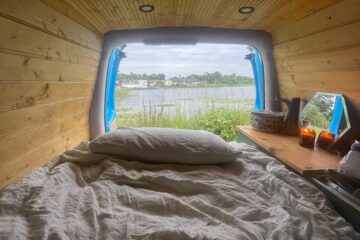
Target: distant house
[[168, 83], [185, 82], [135, 84]]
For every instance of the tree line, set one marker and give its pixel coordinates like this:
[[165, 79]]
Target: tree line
[[206, 78]]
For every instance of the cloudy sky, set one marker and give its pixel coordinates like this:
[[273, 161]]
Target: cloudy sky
[[175, 60]]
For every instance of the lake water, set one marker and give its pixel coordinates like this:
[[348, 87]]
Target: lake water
[[186, 100]]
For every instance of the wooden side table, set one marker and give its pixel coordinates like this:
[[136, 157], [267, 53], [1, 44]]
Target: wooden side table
[[286, 148]]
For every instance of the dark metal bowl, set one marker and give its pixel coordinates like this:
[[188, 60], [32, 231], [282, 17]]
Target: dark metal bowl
[[267, 121]]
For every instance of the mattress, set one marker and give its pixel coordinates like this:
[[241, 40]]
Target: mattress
[[83, 195]]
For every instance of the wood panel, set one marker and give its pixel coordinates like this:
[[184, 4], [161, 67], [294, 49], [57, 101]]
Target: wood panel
[[31, 139], [332, 81], [27, 94], [41, 16], [40, 155], [337, 60], [336, 38], [47, 75], [109, 15], [335, 16], [25, 68], [16, 37], [63, 8], [320, 52]]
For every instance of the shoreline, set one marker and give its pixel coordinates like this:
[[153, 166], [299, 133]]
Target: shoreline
[[177, 87]]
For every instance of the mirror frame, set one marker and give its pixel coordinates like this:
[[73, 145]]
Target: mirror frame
[[345, 111]]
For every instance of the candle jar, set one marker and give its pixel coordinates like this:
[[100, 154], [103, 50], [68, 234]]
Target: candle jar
[[307, 137], [325, 139]]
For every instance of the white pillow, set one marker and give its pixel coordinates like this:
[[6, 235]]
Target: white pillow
[[165, 145]]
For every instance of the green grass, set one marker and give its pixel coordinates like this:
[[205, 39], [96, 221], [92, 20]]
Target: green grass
[[122, 93], [221, 121]]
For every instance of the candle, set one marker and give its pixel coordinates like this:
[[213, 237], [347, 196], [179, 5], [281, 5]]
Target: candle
[[325, 139], [307, 137]]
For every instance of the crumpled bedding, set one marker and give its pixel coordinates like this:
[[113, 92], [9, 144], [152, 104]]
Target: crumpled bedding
[[82, 195]]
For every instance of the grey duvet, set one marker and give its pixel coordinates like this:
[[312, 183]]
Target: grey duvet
[[82, 195]]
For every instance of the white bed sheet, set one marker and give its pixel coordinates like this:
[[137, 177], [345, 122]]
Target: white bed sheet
[[82, 195]]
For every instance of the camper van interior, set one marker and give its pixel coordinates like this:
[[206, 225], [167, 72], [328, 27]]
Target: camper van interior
[[180, 119]]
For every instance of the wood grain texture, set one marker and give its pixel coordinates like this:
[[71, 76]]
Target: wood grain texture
[[25, 68], [47, 75], [336, 60], [41, 154], [109, 15], [39, 15], [337, 38], [50, 51], [330, 80], [19, 38], [343, 13], [26, 94], [320, 52], [287, 150]]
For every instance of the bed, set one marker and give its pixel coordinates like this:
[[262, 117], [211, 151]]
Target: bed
[[85, 195]]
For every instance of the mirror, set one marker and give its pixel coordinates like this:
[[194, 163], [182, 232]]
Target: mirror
[[326, 111]]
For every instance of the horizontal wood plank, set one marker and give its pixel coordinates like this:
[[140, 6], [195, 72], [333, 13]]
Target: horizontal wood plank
[[37, 14], [306, 94], [294, 11], [47, 76], [25, 119], [40, 155], [340, 60], [337, 15], [337, 38], [20, 38], [63, 8], [21, 95], [10, 147], [20, 68], [326, 81]]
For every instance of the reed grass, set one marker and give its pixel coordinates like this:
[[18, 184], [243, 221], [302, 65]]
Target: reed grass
[[219, 120]]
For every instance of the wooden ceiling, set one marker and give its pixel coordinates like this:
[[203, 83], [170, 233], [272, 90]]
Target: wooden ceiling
[[106, 15]]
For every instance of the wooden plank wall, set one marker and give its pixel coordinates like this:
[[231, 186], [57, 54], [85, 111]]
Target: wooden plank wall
[[48, 69], [320, 52]]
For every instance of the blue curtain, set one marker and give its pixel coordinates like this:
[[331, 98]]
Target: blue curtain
[[112, 72], [257, 65]]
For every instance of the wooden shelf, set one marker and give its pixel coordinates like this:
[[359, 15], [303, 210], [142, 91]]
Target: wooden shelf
[[287, 150]]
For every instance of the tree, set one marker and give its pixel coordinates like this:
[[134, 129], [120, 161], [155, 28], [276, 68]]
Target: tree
[[315, 117], [206, 78]]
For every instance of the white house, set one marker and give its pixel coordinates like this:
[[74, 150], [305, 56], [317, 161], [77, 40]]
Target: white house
[[136, 84], [168, 83]]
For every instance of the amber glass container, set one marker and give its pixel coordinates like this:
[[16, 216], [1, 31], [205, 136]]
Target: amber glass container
[[307, 137], [325, 139]]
